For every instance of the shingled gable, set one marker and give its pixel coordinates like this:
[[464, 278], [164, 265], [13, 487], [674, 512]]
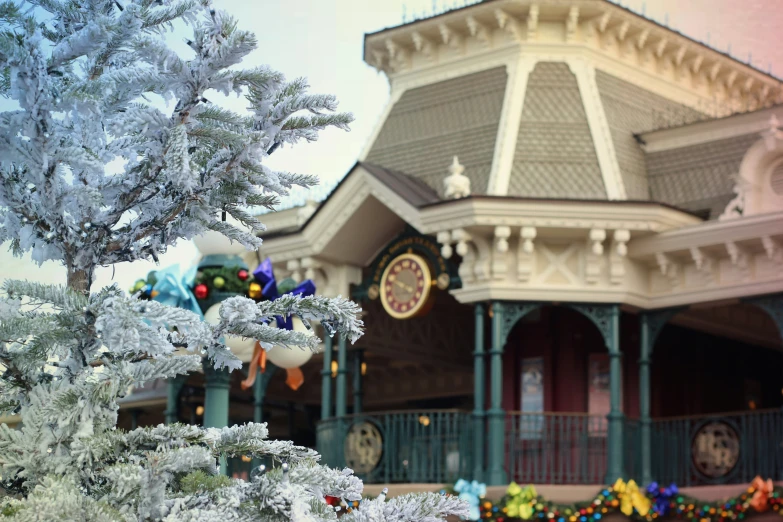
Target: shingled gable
[[695, 166]]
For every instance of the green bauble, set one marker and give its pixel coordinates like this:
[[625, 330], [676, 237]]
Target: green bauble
[[219, 282]]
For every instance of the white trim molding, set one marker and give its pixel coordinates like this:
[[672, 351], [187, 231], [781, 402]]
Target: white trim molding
[[599, 128], [510, 120]]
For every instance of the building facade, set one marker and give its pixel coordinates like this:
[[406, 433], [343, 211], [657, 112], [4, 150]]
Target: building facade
[[566, 233]]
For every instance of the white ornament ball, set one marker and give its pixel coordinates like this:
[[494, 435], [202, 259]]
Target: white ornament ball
[[240, 346], [292, 357], [211, 242]]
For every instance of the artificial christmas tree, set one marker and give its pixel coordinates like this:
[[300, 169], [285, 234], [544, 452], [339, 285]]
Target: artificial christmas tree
[[97, 169]]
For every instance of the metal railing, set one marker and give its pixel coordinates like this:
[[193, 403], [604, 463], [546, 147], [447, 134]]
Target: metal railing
[[632, 456], [556, 448], [428, 446], [723, 448], [434, 446]]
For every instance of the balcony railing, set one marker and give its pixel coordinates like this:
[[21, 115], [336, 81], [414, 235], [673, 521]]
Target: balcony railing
[[556, 448], [431, 446], [434, 446], [722, 448]]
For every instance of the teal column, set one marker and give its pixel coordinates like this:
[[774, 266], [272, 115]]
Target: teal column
[[496, 417], [479, 376], [341, 402], [645, 422], [614, 465], [173, 387], [358, 391], [217, 385], [326, 380]]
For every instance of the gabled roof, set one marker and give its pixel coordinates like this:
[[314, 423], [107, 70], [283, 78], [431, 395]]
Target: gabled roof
[[411, 190], [414, 191]]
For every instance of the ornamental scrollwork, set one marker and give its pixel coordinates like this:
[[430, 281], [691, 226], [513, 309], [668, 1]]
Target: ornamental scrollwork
[[603, 317], [657, 319], [773, 305], [715, 449], [510, 314], [363, 447]]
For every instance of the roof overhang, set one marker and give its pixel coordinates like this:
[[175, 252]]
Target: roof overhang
[[641, 217], [350, 226], [717, 129], [612, 32]]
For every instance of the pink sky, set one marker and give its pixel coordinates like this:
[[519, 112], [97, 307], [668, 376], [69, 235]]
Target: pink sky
[[747, 25]]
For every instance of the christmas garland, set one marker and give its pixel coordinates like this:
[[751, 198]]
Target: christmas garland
[[640, 505], [229, 279]]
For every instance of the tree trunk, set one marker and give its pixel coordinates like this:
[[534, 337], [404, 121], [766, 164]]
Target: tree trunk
[[79, 280]]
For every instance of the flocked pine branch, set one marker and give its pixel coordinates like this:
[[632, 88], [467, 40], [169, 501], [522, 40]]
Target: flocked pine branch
[[118, 146]]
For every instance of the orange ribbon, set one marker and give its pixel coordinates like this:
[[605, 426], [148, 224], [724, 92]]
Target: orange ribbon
[[294, 378], [760, 499]]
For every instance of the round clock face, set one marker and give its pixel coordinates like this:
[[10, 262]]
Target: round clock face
[[405, 286]]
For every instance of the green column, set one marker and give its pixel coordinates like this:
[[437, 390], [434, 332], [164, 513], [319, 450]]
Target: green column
[[358, 391], [173, 387], [217, 385], [614, 465], [496, 475], [341, 401], [478, 396], [645, 423], [326, 380]]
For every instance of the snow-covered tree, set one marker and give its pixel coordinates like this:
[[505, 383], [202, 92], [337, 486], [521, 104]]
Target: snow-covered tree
[[117, 147]]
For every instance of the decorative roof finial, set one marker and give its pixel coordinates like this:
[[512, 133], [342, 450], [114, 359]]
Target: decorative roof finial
[[456, 184]]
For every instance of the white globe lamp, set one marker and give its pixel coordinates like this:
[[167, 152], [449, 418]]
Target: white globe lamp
[[292, 357], [242, 347]]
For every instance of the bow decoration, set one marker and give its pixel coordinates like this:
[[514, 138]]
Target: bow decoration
[[661, 497], [175, 290], [265, 275], [471, 492], [631, 497], [519, 501], [760, 499]]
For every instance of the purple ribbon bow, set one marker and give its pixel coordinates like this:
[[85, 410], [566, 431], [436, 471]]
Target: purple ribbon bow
[[265, 275], [661, 497]]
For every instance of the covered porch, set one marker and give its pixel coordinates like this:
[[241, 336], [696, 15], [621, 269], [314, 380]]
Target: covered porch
[[722, 440]]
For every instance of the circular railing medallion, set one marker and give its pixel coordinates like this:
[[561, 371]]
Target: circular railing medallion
[[715, 449], [363, 447]]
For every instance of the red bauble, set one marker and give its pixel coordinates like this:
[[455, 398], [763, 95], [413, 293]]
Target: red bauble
[[243, 275], [201, 291]]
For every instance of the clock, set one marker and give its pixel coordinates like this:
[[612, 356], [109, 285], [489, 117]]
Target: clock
[[406, 287]]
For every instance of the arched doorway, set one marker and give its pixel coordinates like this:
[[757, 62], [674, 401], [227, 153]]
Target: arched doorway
[[557, 398], [567, 439], [715, 393]]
